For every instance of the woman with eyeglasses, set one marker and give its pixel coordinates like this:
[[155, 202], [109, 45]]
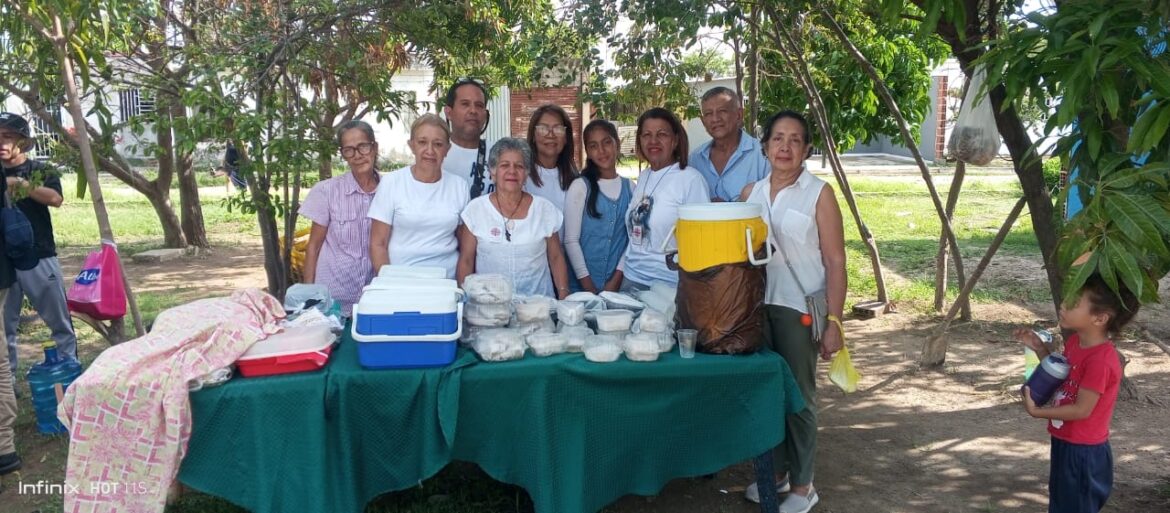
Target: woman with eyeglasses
[[595, 209], [663, 186], [550, 135], [512, 232], [416, 210], [338, 254]]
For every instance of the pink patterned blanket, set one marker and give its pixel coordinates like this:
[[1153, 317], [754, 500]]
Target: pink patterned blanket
[[128, 415]]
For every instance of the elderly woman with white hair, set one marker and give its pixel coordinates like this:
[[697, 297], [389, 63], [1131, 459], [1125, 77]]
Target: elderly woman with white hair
[[512, 232]]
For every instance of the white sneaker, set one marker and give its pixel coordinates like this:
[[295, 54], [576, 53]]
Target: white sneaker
[[796, 503], [752, 493]]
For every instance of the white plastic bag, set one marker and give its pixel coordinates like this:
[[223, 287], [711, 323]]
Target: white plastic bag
[[488, 288], [975, 138]]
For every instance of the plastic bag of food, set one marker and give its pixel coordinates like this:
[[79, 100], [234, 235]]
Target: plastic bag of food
[[660, 297], [592, 301], [651, 320], [499, 344], [665, 341], [575, 337], [301, 296], [975, 138], [613, 320], [488, 314], [532, 308], [641, 347], [570, 313], [725, 305], [470, 333], [842, 373], [527, 328], [547, 344], [602, 348], [488, 288], [622, 301]]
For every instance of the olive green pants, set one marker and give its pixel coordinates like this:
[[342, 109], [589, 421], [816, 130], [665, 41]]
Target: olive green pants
[[784, 334], [7, 397]]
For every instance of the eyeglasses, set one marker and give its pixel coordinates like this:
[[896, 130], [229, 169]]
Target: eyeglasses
[[545, 130], [361, 149]]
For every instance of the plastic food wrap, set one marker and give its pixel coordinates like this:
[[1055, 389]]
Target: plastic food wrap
[[602, 348], [488, 288], [499, 344], [660, 297], [623, 301], [570, 313], [527, 328], [614, 320], [651, 320], [532, 309], [488, 314], [470, 333], [641, 347], [592, 301], [665, 341], [546, 344], [575, 337]]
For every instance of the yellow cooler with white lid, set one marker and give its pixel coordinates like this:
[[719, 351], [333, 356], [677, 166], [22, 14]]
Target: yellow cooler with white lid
[[711, 234]]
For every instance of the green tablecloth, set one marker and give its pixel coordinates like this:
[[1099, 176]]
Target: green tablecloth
[[577, 435]]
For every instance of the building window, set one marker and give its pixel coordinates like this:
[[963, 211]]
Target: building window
[[132, 102], [43, 134]]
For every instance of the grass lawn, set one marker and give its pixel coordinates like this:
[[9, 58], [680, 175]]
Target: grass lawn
[[896, 209]]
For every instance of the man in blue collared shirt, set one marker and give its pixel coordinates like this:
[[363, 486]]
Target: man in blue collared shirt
[[732, 159]]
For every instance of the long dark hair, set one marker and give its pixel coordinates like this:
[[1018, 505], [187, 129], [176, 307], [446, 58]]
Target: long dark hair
[[565, 163], [681, 150], [592, 173]]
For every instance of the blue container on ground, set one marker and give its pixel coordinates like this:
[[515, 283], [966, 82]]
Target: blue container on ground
[[407, 326], [1047, 378], [48, 381]]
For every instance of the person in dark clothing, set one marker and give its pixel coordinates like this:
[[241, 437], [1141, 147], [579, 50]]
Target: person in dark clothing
[[34, 187], [231, 164], [9, 459]]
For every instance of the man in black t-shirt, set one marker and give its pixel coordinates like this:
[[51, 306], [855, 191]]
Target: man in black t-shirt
[[38, 187]]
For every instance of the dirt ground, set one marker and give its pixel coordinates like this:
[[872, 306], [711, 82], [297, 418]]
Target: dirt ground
[[952, 440]]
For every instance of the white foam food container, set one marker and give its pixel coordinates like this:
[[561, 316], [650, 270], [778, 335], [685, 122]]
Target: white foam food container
[[410, 271], [422, 300], [291, 341], [614, 320]]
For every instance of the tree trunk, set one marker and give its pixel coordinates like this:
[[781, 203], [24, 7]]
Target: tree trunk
[[753, 49], [934, 350], [60, 44], [791, 53], [194, 227], [940, 277]]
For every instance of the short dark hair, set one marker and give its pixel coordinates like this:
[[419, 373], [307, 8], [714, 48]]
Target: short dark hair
[[718, 90], [1121, 304], [771, 123], [463, 82], [681, 150], [356, 124]]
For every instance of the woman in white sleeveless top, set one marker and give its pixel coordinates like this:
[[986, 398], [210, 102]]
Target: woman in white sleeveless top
[[805, 220]]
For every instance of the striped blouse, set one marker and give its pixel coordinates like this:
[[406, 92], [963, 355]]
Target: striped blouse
[[343, 266]]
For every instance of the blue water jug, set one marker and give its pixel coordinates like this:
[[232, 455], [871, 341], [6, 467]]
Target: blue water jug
[[48, 381], [1048, 378]]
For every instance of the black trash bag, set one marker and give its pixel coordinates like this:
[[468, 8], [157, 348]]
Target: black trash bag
[[725, 304]]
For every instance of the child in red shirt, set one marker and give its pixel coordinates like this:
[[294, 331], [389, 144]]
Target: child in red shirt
[[1081, 470]]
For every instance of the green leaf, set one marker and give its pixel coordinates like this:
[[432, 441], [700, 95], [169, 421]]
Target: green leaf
[[1157, 131], [1128, 269], [1105, 267], [1080, 274], [1126, 214]]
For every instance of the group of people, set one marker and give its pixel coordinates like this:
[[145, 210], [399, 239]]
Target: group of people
[[522, 208]]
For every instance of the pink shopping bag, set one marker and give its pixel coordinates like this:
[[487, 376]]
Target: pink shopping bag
[[98, 291]]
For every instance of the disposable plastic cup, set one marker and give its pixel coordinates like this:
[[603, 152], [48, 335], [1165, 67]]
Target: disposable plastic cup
[[686, 342]]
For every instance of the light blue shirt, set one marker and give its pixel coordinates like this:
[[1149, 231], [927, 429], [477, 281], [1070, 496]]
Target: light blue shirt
[[746, 165]]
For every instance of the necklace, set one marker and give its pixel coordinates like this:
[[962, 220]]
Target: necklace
[[509, 223]]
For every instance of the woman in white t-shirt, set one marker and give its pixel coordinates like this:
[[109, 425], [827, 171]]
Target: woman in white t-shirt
[[512, 232], [665, 185], [550, 135], [415, 213]]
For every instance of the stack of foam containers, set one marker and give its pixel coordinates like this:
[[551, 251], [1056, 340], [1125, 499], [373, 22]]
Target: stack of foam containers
[[408, 317], [489, 304]]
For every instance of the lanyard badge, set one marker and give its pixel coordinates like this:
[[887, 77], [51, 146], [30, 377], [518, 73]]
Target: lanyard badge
[[639, 220]]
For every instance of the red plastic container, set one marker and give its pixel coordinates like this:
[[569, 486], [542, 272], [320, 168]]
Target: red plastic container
[[293, 350]]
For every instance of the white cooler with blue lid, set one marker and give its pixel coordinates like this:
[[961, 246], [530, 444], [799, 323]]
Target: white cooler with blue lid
[[402, 322]]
